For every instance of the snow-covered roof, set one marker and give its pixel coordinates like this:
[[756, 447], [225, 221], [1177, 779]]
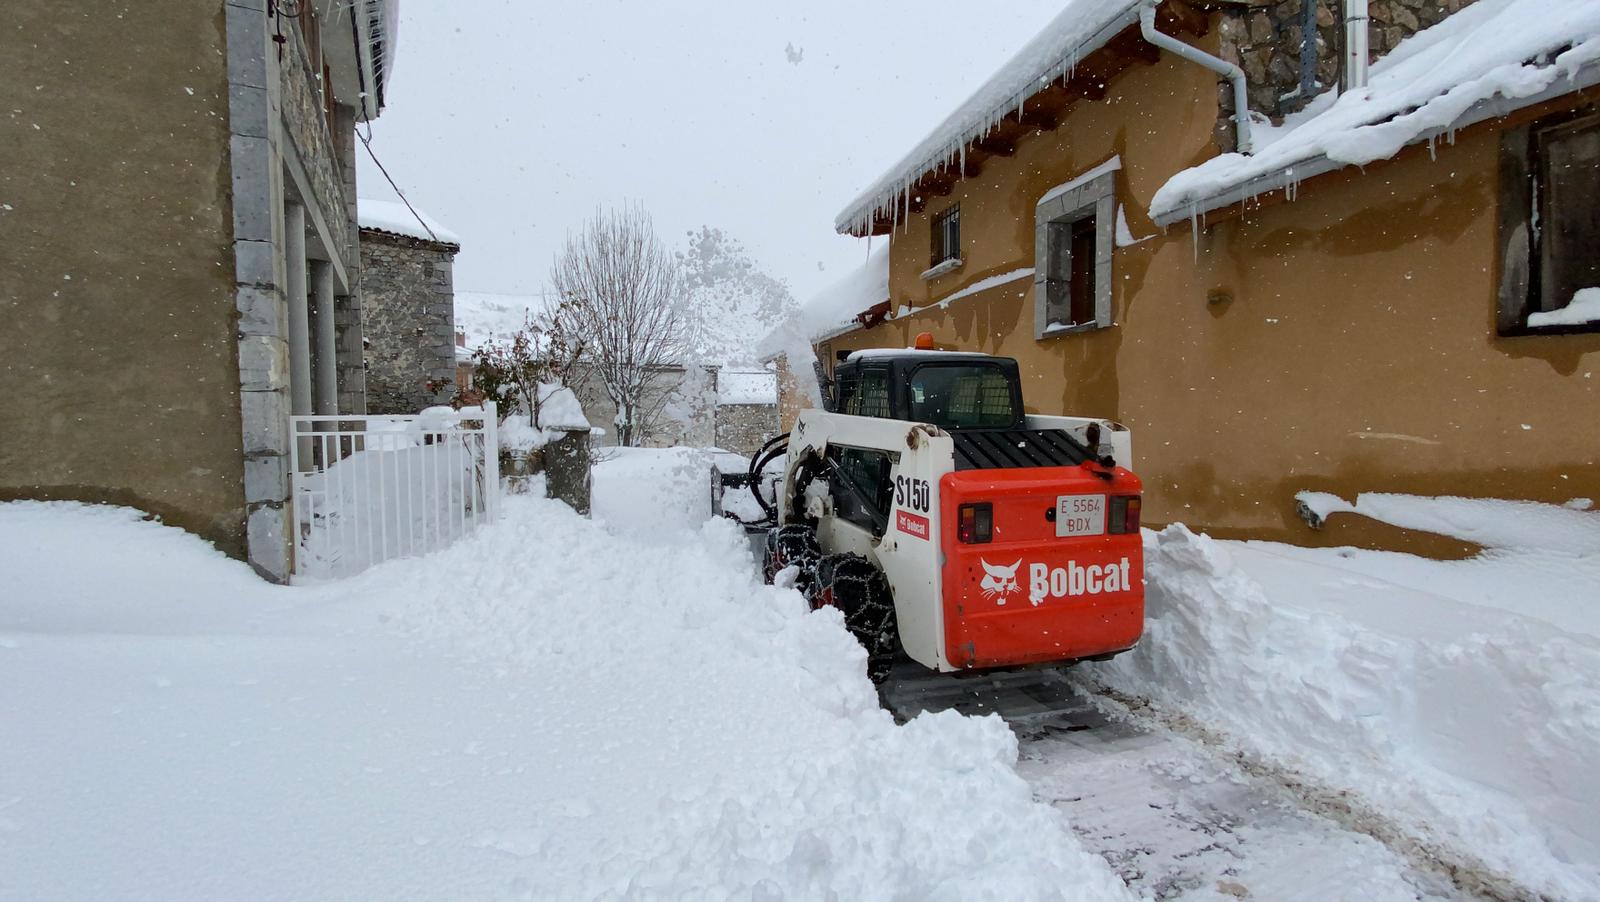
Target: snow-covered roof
[[1484, 61], [832, 311], [383, 29], [395, 218], [1082, 27], [740, 386]]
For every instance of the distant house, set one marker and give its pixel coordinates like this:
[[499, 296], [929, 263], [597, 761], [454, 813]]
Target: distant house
[[734, 408], [1392, 290], [178, 251], [408, 307]]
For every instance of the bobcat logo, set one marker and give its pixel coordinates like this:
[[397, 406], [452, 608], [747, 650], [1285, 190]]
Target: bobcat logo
[[1000, 581]]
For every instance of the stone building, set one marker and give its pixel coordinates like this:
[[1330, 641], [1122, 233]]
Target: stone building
[[408, 308], [1399, 292], [695, 406], [1290, 50], [178, 251]]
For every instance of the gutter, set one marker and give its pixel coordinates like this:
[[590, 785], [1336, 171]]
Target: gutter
[[360, 26], [1234, 74], [1496, 107]]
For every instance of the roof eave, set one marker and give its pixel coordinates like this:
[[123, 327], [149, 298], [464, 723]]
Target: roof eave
[[1495, 107], [864, 208]]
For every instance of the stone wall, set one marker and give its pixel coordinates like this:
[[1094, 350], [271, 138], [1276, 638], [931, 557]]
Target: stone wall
[[1266, 40], [742, 428], [407, 300], [307, 129]]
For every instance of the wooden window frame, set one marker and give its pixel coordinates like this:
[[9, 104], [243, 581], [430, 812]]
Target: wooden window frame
[[1521, 290]]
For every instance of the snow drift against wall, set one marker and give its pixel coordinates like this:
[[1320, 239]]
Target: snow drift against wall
[[552, 708], [1460, 699], [1506, 48]]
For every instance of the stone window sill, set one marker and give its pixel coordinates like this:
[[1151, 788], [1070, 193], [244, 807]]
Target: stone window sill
[[1076, 329], [948, 266]]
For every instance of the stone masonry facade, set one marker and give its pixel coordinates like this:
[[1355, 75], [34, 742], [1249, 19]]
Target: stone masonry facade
[[1267, 40], [281, 149], [743, 428], [408, 318]]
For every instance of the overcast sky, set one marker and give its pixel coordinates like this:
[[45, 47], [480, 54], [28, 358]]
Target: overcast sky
[[510, 122]]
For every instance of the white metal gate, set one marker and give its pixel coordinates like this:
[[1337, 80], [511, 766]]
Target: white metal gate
[[367, 489]]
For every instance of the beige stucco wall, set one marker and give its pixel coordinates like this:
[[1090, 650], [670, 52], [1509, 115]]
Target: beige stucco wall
[[118, 369], [1349, 345]]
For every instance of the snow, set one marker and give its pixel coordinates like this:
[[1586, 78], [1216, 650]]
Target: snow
[[560, 412], [742, 386], [835, 308], [995, 281], [1112, 165], [1491, 48], [486, 316], [1458, 699], [1582, 310], [1081, 27], [395, 217], [553, 707], [876, 353]]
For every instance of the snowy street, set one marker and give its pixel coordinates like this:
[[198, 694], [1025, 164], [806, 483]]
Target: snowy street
[[557, 709]]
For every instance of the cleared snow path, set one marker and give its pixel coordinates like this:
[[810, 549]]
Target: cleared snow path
[[1176, 819]]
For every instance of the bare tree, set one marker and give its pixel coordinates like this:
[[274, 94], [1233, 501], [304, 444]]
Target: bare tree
[[619, 296]]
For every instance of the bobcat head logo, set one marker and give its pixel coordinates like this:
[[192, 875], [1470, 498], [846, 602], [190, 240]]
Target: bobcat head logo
[[1000, 581]]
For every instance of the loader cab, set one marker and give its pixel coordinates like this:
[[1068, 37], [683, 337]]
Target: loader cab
[[948, 389]]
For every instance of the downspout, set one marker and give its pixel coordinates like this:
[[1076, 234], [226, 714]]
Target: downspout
[[1234, 74], [1357, 42]]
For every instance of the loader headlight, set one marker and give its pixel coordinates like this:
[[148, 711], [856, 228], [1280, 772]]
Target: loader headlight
[[975, 523]]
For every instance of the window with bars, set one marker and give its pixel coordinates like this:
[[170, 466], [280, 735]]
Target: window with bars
[[1550, 226], [946, 236]]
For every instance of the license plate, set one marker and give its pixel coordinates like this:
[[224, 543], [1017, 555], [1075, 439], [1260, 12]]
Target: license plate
[[1080, 515]]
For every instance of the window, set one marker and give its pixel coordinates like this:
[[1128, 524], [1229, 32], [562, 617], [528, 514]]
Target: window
[[947, 236], [957, 396], [864, 393], [1550, 226], [860, 485], [1073, 241]]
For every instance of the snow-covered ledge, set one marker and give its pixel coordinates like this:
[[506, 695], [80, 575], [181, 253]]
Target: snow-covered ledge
[[948, 266]]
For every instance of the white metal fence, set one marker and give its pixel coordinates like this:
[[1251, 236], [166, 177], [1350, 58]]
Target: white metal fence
[[367, 489]]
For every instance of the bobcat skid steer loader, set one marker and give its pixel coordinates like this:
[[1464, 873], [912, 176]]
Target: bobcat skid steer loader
[[943, 520]]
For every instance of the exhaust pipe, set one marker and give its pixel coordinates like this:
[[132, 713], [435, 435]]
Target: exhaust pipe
[[1357, 46]]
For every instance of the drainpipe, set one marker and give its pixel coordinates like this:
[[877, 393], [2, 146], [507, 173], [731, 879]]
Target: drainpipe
[[1235, 75], [1357, 40]]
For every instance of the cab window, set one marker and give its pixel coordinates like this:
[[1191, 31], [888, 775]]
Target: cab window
[[860, 485], [865, 393], [962, 396]]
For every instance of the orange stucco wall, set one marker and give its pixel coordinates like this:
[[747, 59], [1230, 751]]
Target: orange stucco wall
[[1341, 342]]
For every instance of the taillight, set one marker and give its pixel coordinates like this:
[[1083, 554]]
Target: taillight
[[1124, 514], [975, 523]]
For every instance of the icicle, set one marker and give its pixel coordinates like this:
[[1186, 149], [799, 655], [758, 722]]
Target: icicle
[[1194, 229]]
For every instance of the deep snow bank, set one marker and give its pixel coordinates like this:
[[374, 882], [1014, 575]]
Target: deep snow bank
[[549, 709], [1475, 727]]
